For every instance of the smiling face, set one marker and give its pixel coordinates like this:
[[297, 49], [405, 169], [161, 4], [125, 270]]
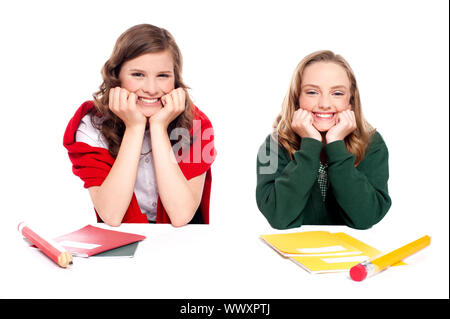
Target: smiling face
[[325, 91], [150, 76]]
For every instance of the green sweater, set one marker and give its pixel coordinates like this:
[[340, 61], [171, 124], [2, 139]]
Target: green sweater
[[288, 193]]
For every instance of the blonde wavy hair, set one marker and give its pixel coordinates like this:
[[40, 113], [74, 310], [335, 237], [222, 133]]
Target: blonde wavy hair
[[356, 142], [134, 42]]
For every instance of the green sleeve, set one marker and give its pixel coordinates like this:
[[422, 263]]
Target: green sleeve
[[362, 191], [284, 185]]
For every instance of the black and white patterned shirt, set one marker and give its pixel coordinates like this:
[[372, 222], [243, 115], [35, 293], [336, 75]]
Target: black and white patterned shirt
[[322, 179]]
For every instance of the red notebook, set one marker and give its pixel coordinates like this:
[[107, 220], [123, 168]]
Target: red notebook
[[91, 240]]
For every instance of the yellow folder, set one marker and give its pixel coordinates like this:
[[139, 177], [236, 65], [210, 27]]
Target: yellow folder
[[321, 251]]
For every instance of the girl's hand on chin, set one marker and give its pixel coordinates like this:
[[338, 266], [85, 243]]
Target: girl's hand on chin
[[174, 103], [123, 104], [302, 124], [345, 124]]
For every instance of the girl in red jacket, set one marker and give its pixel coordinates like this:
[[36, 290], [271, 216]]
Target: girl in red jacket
[[142, 148]]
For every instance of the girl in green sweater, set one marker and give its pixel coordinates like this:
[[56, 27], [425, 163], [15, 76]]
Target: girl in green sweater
[[323, 164]]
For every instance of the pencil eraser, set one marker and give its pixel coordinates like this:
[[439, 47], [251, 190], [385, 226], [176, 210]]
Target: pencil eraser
[[358, 272]]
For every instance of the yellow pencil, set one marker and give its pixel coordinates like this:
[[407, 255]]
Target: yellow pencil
[[377, 264]]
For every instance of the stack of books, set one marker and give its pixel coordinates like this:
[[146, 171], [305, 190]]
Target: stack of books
[[85, 242]]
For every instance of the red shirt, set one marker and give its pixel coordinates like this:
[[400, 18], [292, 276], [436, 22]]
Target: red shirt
[[92, 164]]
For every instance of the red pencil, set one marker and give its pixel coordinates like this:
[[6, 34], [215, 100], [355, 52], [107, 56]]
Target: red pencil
[[53, 250]]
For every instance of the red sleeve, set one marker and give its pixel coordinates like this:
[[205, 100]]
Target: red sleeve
[[91, 164], [201, 153]]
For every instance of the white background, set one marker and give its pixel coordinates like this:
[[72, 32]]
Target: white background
[[238, 60]]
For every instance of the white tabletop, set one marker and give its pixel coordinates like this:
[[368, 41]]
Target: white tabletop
[[206, 261]]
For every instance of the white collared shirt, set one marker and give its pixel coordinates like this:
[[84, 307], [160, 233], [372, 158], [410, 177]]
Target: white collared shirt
[[145, 189]]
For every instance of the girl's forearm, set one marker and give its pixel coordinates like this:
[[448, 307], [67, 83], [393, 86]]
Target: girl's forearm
[[174, 190], [112, 198], [361, 192], [283, 195]]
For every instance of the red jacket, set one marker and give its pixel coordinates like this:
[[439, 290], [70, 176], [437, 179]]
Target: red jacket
[[92, 164]]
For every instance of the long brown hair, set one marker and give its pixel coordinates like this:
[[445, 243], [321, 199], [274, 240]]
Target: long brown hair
[[134, 42], [356, 142]]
